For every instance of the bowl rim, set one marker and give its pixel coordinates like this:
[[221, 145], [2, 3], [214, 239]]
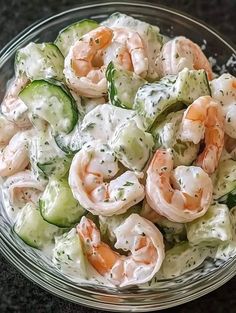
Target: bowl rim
[[36, 273], [33, 26]]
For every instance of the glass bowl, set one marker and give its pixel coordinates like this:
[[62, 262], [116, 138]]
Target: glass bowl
[[37, 267]]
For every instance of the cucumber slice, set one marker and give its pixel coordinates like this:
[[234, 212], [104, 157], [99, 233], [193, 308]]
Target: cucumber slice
[[156, 100], [68, 255], [212, 228], [172, 231], [102, 122], [70, 143], [51, 169], [50, 103], [46, 158], [58, 206], [225, 182], [132, 146], [33, 229], [166, 135], [229, 199], [226, 251], [183, 258], [122, 86], [69, 35], [40, 61]]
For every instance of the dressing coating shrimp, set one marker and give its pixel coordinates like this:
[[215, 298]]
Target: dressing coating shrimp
[[90, 176], [13, 108], [84, 69], [181, 52], [182, 194], [138, 236], [135, 51], [86, 62], [7, 130], [19, 189], [86, 50], [14, 157], [204, 119], [119, 54]]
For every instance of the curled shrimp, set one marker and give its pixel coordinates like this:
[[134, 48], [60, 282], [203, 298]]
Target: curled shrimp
[[138, 236], [204, 119], [90, 176], [86, 62], [13, 107], [19, 189], [84, 70], [182, 194], [14, 157], [181, 52], [134, 56], [7, 130]]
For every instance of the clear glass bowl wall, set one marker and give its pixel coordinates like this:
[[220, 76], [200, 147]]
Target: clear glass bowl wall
[[37, 267]]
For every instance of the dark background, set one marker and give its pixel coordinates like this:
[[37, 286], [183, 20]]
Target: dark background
[[18, 294]]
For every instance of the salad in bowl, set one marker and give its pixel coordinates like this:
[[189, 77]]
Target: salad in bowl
[[118, 153]]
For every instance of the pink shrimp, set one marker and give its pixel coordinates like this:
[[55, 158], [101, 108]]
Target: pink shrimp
[[134, 52], [13, 107], [14, 157], [86, 63], [204, 119], [182, 194], [135, 234], [91, 180], [86, 49], [181, 52]]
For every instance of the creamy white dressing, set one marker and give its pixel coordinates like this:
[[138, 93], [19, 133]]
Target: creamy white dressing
[[101, 122], [224, 178], [152, 39], [224, 91], [13, 108], [104, 122], [40, 61], [168, 133], [212, 228]]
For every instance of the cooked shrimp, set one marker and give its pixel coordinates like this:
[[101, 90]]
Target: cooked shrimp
[[119, 54], [181, 195], [135, 48], [181, 52], [135, 234], [7, 130], [81, 73], [14, 157], [91, 169], [204, 118], [86, 62], [19, 189], [13, 107], [87, 48]]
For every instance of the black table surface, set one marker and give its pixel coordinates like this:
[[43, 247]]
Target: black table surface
[[18, 294]]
